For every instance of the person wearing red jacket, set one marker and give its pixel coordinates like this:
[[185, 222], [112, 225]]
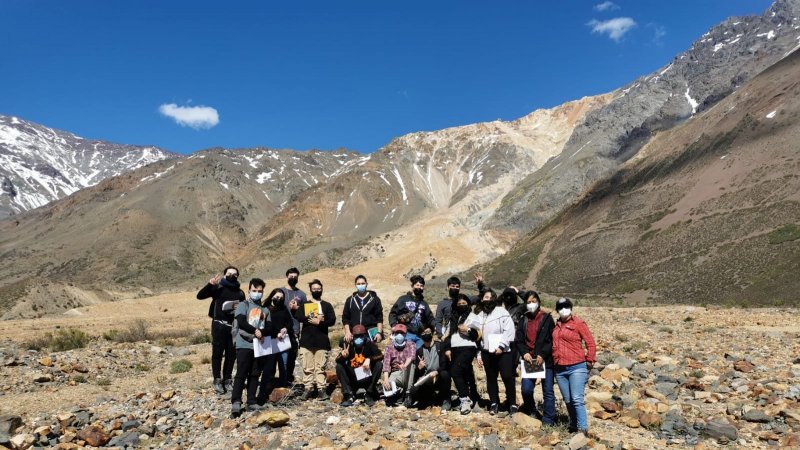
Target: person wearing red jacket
[[572, 362]]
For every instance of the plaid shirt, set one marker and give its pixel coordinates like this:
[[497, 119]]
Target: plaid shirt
[[394, 358], [568, 340]]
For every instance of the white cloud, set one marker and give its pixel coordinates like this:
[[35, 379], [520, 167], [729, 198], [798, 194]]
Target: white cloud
[[606, 6], [197, 117], [614, 28]]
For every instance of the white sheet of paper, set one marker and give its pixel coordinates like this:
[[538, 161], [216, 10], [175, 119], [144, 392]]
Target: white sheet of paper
[[363, 371], [524, 374], [493, 341], [424, 379], [262, 348], [281, 345], [391, 391]]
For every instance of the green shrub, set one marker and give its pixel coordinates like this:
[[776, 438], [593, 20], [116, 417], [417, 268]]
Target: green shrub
[[103, 382], [785, 233], [200, 338], [141, 367], [180, 366], [79, 379], [62, 340]]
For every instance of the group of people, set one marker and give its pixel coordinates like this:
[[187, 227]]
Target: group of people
[[424, 354]]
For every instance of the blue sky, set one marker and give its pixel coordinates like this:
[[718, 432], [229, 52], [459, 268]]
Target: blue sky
[[324, 74]]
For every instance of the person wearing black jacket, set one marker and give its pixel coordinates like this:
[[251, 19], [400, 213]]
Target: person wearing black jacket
[[413, 311], [445, 306], [225, 295], [460, 349], [282, 326], [354, 355], [534, 341], [432, 363], [362, 308], [314, 341]]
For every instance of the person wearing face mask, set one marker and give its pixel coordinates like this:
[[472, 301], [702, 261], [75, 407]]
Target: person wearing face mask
[[398, 364], [282, 322], [253, 323], [294, 299], [572, 363], [458, 345], [510, 300], [361, 351], [225, 294], [431, 363], [445, 307], [534, 342], [363, 307], [314, 343], [496, 330], [413, 311]]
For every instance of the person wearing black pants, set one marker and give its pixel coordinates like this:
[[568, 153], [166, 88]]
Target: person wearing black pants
[[355, 354], [225, 295], [294, 299], [432, 361], [502, 364], [253, 324], [458, 344]]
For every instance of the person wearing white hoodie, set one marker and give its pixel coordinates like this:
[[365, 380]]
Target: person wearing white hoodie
[[496, 332]]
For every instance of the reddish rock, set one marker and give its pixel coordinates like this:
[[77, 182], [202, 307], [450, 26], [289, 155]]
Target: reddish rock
[[743, 366], [94, 435], [612, 406], [279, 394], [650, 420]]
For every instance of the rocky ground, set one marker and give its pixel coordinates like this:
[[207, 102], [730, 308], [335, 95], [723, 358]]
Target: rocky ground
[[677, 377]]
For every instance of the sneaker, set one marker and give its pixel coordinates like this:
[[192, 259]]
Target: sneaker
[[466, 406], [218, 387], [408, 402], [228, 385], [236, 410], [369, 400], [348, 401], [253, 407], [494, 408], [446, 406], [513, 410], [323, 395]]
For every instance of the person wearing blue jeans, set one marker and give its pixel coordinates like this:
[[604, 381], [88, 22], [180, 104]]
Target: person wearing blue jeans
[[572, 362], [534, 342]]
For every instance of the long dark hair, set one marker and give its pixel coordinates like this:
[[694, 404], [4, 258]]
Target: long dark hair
[[270, 304], [479, 306]]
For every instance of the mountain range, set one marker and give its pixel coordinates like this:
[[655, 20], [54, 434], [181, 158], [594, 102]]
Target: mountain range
[[681, 185]]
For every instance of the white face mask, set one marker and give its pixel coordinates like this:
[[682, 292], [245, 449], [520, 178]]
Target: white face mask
[[532, 307], [565, 312]]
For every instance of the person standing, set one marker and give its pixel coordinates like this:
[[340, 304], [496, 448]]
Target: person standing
[[534, 342], [225, 295], [497, 333], [281, 328], [252, 324], [294, 299], [360, 352], [460, 349], [363, 307], [572, 362], [413, 311], [314, 342]]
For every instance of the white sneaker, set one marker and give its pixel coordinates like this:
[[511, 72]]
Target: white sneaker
[[466, 406]]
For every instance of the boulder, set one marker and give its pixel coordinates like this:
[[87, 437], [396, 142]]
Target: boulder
[[721, 431], [526, 422], [94, 435], [274, 418]]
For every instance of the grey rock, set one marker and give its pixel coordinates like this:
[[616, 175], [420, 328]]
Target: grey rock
[[131, 424], [129, 439], [9, 423], [624, 362], [721, 431], [755, 415]]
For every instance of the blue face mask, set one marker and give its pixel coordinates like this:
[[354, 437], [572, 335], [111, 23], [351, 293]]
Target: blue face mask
[[256, 296], [359, 341], [399, 339], [361, 288]]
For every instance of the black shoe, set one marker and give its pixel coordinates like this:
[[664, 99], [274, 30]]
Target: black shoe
[[323, 395], [348, 401], [309, 394], [408, 402], [253, 407], [218, 387], [446, 406], [513, 410], [236, 410], [228, 385], [369, 400], [493, 408]]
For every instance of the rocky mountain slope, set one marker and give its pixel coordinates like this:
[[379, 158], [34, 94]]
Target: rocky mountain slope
[[706, 212], [716, 65], [39, 165]]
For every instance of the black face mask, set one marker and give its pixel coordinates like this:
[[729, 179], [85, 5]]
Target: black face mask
[[454, 293], [292, 282], [488, 306], [427, 337], [462, 309], [316, 295], [418, 292], [278, 302], [231, 278]]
